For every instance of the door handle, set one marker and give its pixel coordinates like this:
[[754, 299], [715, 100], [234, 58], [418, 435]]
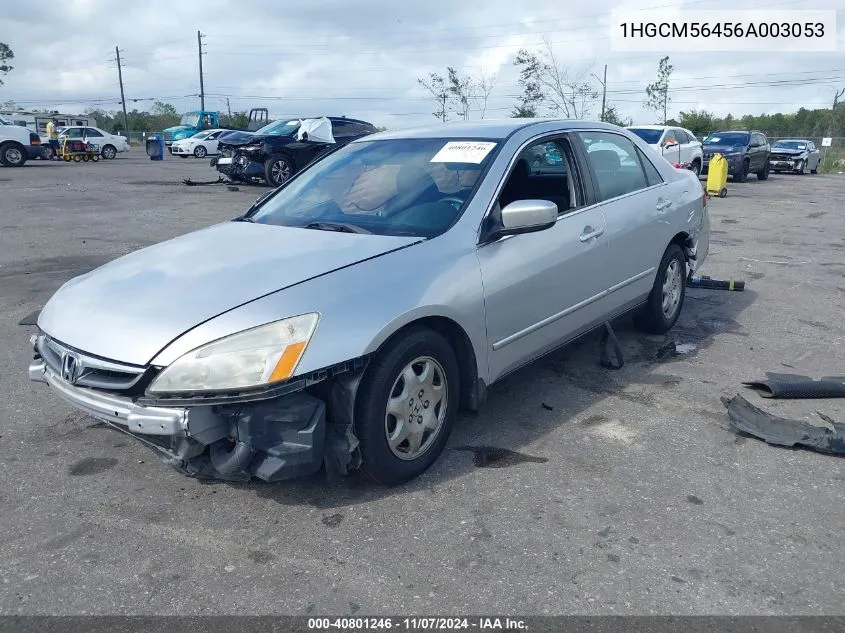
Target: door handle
[[589, 233], [662, 205]]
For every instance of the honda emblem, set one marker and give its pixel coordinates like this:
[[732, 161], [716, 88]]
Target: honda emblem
[[70, 367]]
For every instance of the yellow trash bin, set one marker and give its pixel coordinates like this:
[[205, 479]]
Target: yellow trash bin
[[717, 176]]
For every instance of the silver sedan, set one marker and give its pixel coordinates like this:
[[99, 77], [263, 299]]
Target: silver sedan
[[344, 319]]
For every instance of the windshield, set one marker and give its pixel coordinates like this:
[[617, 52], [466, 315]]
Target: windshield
[[280, 128], [4, 121], [415, 187], [790, 145], [190, 119], [726, 138], [652, 137], [201, 135]]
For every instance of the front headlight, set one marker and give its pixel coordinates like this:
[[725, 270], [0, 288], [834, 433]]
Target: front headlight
[[252, 358]]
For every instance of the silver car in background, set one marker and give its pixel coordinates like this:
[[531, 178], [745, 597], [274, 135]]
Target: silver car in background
[[344, 319]]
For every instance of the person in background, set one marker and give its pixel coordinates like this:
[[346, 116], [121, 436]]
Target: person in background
[[53, 137]]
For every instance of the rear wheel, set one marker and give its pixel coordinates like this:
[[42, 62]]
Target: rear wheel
[[278, 170], [406, 406], [12, 154], [763, 174], [109, 152], [664, 304], [77, 158]]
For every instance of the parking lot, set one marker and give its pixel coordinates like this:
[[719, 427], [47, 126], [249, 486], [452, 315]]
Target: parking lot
[[624, 492]]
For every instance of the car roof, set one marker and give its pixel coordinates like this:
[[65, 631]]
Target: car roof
[[483, 129], [651, 127], [793, 140]]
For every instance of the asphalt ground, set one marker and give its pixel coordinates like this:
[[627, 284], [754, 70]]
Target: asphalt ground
[[627, 492]]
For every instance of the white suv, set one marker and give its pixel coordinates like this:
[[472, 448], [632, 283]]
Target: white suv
[[675, 144]]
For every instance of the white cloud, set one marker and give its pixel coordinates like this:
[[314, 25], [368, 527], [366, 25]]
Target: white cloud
[[363, 58]]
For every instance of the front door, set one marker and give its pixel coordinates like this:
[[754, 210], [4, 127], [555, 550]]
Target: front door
[[542, 288]]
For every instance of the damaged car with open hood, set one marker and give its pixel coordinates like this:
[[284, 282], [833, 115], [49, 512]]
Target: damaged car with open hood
[[279, 150], [345, 318]]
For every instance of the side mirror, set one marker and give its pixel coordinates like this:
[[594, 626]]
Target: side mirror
[[526, 216]]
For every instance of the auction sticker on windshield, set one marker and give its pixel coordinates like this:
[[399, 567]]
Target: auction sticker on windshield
[[463, 152]]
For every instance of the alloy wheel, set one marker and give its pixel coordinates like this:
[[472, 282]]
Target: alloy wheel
[[672, 288]]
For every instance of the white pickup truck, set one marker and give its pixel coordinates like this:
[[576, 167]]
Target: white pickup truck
[[17, 144]]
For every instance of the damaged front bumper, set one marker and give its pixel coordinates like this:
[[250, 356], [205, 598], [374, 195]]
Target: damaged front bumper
[[272, 439], [241, 166]]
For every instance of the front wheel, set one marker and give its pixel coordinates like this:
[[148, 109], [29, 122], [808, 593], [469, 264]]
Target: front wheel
[[278, 170], [696, 168], [12, 155], [763, 174], [200, 151], [406, 406], [664, 304], [742, 172]]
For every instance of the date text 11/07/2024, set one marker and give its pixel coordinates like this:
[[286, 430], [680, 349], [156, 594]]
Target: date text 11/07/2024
[[417, 624]]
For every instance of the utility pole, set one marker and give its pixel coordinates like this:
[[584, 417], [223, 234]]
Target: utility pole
[[229, 107], [603, 83], [202, 85], [120, 79]]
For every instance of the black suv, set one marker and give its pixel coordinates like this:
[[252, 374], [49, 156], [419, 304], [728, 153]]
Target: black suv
[[278, 151], [747, 152]]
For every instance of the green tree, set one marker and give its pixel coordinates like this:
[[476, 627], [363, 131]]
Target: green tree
[[612, 116], [439, 91], [239, 120], [524, 111], [6, 55], [699, 122], [657, 93]]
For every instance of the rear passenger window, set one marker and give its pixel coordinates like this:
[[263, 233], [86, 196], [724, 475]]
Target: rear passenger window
[[652, 175], [615, 163]]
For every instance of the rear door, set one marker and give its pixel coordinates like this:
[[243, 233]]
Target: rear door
[[634, 201], [540, 289]]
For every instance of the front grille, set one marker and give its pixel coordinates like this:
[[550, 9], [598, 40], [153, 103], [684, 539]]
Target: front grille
[[168, 136], [787, 157], [84, 370]]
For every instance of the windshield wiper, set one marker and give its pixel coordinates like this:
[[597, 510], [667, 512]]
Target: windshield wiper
[[341, 227]]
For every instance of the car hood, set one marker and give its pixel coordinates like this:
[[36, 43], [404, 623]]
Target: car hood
[[131, 308], [722, 149], [178, 128], [789, 152], [237, 138]]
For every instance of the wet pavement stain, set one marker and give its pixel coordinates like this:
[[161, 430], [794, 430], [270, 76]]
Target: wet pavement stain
[[694, 500], [495, 457], [333, 520], [92, 466], [755, 275], [816, 214], [259, 557]]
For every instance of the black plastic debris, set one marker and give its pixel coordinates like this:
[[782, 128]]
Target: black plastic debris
[[30, 319], [787, 386], [778, 431], [195, 183], [609, 337], [233, 188], [715, 284]]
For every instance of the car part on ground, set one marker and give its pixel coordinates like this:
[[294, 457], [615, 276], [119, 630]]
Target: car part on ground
[[305, 332], [788, 386], [772, 429], [703, 281]]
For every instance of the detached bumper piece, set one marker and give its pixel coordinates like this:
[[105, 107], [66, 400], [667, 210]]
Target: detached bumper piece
[[772, 429]]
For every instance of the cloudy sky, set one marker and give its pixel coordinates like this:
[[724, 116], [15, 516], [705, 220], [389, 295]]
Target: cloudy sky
[[362, 58]]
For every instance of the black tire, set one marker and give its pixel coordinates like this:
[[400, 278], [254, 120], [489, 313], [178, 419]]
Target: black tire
[[741, 174], [372, 421], [652, 318], [200, 151], [109, 152], [802, 168], [696, 167], [278, 170], [12, 154], [763, 174], [814, 171]]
